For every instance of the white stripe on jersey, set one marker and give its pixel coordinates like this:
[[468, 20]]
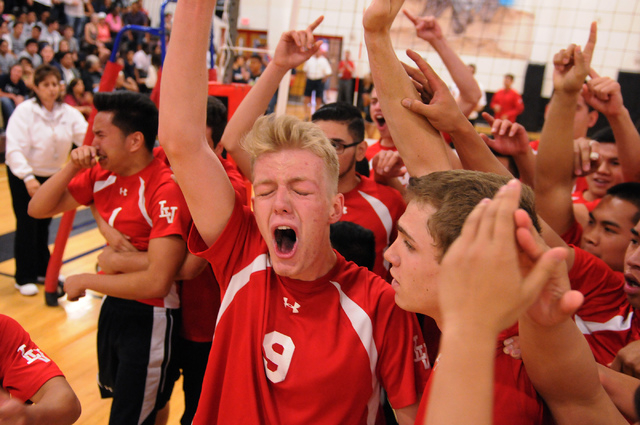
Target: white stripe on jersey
[[240, 279], [615, 324], [381, 211], [101, 184], [361, 323], [141, 203]]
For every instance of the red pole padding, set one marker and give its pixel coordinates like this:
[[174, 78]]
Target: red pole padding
[[107, 83]]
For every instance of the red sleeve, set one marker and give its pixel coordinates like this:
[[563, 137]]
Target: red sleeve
[[81, 186], [24, 368], [602, 287], [239, 243]]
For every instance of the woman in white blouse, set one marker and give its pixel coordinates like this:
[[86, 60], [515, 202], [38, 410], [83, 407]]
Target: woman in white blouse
[[40, 134]]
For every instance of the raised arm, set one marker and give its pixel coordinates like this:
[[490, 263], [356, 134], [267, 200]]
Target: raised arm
[[605, 96], [182, 129], [554, 163], [293, 49], [419, 144], [428, 29], [444, 114]]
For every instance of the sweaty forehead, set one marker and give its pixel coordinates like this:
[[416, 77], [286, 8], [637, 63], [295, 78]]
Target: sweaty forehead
[[288, 166]]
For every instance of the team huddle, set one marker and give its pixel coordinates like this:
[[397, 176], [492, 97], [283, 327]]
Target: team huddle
[[438, 289]]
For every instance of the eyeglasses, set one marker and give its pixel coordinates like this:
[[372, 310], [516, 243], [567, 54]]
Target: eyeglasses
[[339, 147]]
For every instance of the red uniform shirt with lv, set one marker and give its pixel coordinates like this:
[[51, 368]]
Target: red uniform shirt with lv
[[296, 352]]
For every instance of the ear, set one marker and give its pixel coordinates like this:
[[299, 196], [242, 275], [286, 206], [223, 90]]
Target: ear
[[337, 207], [593, 118], [361, 150], [136, 141]]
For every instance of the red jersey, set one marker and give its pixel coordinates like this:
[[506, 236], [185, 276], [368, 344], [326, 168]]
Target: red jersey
[[372, 150], [343, 72], [289, 351], [143, 206], [24, 368], [606, 318], [515, 399], [510, 104], [375, 207]]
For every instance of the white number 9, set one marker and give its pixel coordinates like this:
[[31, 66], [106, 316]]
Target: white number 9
[[278, 351]]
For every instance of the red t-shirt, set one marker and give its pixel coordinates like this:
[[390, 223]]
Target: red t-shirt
[[375, 207], [515, 399], [606, 318], [143, 206], [343, 72], [24, 368], [287, 351], [372, 150], [510, 104]]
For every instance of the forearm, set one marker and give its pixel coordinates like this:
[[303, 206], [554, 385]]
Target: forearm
[[251, 108], [417, 141], [470, 92], [526, 164], [464, 378], [128, 262], [621, 389], [628, 143], [132, 286], [553, 181], [474, 152], [47, 201], [561, 367]]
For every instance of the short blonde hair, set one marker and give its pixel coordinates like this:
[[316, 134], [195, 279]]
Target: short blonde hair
[[272, 134]]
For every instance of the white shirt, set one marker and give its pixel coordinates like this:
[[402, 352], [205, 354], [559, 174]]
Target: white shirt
[[39, 141], [317, 68]]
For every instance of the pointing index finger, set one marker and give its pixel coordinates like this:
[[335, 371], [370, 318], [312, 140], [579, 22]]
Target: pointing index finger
[[315, 23], [593, 73], [593, 37], [410, 16]]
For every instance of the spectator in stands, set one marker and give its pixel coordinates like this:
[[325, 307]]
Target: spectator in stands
[[79, 98], [27, 72], [68, 36], [31, 51], [67, 67], [51, 34], [114, 19], [92, 73], [239, 72], [33, 390], [254, 65], [76, 12], [12, 91], [506, 102], [30, 22], [48, 56], [7, 58], [135, 16], [317, 70], [17, 39]]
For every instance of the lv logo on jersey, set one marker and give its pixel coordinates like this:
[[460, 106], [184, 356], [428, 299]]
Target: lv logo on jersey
[[167, 212], [32, 355]]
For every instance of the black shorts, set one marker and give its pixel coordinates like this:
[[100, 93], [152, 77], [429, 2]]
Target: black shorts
[[314, 86], [135, 343]]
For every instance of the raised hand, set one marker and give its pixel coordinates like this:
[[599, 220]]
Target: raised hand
[[572, 65], [386, 165], [586, 156], [603, 94], [296, 47], [427, 27], [491, 288], [509, 139], [84, 156], [442, 110]]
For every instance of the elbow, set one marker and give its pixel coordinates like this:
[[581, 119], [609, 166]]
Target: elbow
[[34, 210], [75, 409]]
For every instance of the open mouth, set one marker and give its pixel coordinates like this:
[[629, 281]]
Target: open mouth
[[380, 120], [285, 238], [633, 283]]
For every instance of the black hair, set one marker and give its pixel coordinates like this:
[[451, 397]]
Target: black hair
[[30, 41], [216, 118], [131, 112], [604, 135], [345, 113], [354, 242], [72, 84], [41, 73], [630, 192]]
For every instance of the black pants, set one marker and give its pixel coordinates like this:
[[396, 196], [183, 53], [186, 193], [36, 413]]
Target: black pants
[[31, 248]]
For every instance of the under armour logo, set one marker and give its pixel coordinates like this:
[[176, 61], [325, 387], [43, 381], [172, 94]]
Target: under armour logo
[[167, 212], [32, 355], [344, 210], [123, 191], [420, 352], [294, 307]]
